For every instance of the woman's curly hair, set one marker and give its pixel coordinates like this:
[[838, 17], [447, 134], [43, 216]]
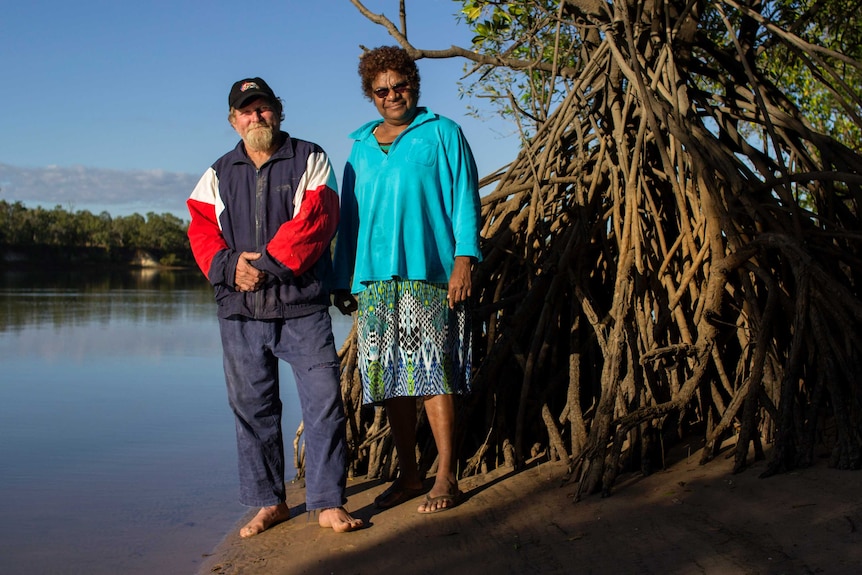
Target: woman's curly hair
[[384, 58]]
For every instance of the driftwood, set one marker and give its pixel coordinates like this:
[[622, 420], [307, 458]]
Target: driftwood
[[662, 262]]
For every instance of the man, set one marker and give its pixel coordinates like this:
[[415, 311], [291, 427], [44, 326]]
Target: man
[[262, 218]]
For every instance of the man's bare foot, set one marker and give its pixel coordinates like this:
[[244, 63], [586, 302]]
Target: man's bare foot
[[339, 519], [266, 518]]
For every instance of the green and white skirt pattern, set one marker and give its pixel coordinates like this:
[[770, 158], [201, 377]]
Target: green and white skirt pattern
[[410, 342]]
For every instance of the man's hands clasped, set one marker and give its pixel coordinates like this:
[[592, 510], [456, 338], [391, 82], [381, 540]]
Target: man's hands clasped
[[248, 277]]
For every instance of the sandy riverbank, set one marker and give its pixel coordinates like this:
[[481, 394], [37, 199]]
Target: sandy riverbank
[[686, 519]]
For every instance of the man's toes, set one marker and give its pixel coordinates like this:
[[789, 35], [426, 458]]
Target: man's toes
[[252, 528], [265, 518], [339, 520], [345, 526]]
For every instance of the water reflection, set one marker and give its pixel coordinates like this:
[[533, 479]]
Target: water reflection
[[118, 450], [72, 298]]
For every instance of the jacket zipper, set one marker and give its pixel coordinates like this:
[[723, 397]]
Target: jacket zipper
[[258, 234]]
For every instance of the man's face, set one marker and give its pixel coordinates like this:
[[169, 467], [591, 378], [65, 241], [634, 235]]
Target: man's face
[[258, 124]]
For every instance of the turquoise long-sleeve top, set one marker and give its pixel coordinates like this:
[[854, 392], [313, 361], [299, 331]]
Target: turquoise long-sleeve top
[[408, 213]]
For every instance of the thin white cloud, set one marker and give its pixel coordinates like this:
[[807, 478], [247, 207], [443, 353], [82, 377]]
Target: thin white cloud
[[118, 192]]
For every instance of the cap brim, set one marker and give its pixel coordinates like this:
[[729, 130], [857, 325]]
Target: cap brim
[[248, 97]]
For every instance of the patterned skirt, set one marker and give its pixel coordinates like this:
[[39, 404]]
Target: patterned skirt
[[410, 343]]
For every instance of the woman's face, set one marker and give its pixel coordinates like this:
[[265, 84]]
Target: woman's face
[[394, 97]]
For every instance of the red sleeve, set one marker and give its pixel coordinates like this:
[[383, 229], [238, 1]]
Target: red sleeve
[[204, 232], [300, 242]]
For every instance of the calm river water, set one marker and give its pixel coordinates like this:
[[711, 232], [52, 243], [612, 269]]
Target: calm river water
[[117, 452]]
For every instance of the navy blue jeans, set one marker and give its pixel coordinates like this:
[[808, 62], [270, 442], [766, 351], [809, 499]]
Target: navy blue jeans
[[252, 349]]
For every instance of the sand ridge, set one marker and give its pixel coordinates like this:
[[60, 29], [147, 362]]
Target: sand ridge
[[685, 519]]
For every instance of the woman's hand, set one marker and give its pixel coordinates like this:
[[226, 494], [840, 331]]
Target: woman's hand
[[461, 281]]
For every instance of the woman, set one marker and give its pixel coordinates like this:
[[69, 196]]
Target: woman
[[408, 235]]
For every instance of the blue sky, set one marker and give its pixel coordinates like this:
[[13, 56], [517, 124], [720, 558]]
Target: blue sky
[[121, 106]]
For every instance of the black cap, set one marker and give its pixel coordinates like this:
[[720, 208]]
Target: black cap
[[243, 91]]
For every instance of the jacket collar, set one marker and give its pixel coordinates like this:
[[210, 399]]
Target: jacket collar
[[422, 116], [284, 151]]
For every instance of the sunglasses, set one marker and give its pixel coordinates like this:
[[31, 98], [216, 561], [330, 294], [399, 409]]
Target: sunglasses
[[399, 88]]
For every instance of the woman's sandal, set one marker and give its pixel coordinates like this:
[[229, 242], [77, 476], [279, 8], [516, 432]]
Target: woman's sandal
[[396, 495], [453, 499]]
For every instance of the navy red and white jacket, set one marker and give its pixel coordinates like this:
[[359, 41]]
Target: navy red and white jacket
[[287, 210]]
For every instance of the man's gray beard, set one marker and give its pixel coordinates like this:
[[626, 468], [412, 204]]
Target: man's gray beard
[[260, 139]]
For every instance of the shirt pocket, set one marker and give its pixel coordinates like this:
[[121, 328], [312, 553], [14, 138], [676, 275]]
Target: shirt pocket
[[422, 152]]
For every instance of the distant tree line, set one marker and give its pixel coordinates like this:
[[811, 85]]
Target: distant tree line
[[162, 235]]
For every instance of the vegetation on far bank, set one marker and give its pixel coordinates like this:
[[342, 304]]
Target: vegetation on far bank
[[98, 238]]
